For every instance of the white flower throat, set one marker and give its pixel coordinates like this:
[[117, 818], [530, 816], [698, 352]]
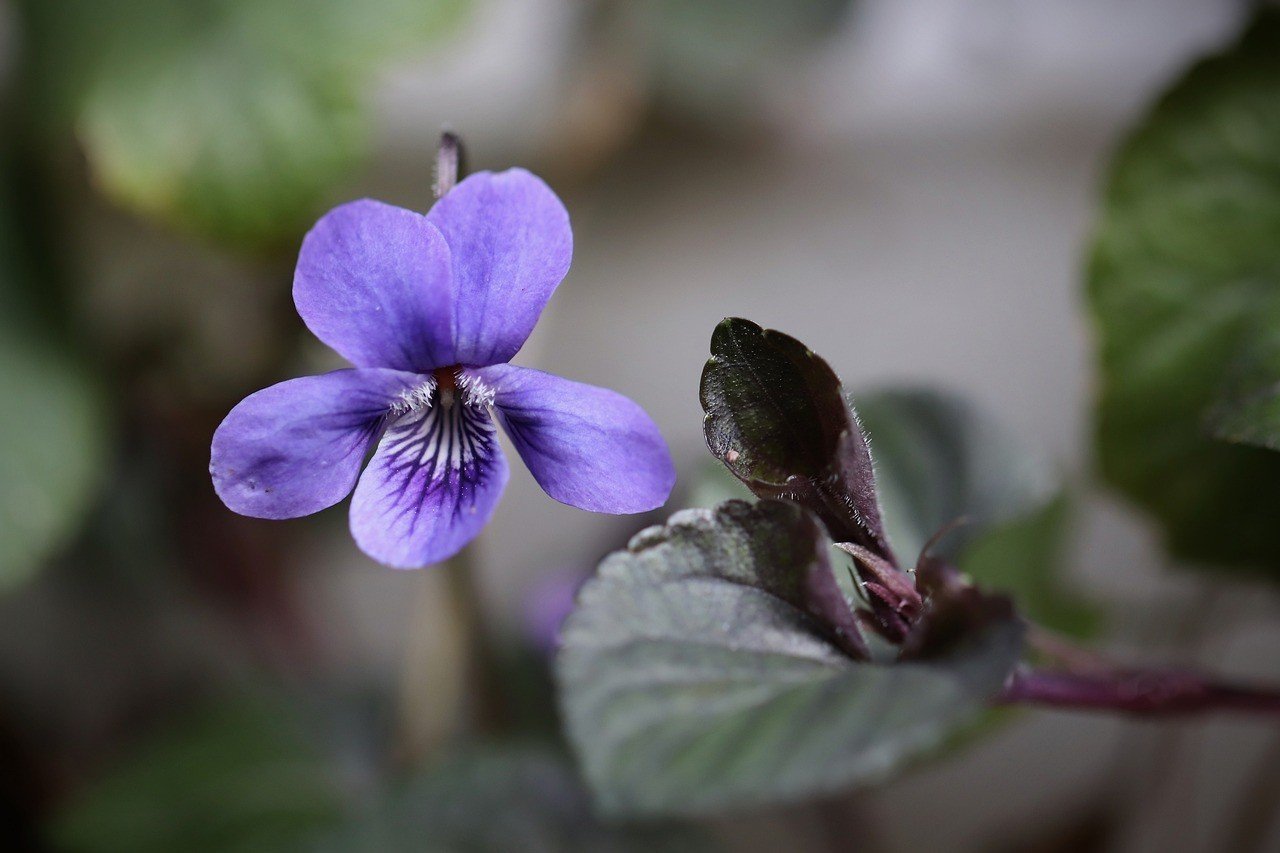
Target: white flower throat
[[442, 427]]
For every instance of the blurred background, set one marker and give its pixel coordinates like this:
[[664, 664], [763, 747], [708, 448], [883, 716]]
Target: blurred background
[[908, 186]]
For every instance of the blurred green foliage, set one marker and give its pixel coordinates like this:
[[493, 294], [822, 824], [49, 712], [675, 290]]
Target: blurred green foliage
[[53, 423], [938, 460], [1022, 556], [52, 430], [234, 119], [711, 484], [1253, 419], [245, 775], [265, 772], [1184, 286], [494, 798]]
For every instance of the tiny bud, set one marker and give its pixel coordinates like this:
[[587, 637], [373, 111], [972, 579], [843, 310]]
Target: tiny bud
[[450, 163]]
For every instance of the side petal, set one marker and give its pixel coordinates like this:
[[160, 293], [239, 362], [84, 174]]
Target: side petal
[[296, 448], [511, 245], [432, 484], [374, 282], [586, 446]]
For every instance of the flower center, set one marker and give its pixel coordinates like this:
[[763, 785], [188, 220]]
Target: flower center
[[446, 384], [444, 387], [432, 437]]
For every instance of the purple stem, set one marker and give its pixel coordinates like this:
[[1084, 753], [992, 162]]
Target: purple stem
[[1146, 693]]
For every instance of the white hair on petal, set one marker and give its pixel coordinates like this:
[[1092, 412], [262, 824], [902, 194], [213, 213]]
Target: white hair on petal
[[418, 397], [475, 391]]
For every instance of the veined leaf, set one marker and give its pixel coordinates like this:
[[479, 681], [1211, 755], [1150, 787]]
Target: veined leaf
[[1184, 286], [777, 417], [692, 678]]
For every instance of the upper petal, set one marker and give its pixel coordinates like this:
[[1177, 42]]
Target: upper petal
[[586, 446], [511, 244], [374, 282], [295, 448], [431, 486]]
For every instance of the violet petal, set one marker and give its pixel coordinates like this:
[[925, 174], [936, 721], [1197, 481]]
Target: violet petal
[[511, 245], [296, 448], [431, 486], [586, 446], [374, 282]]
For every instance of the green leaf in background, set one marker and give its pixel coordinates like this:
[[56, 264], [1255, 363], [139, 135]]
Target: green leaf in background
[[711, 484], [938, 459], [501, 798], [1022, 557], [245, 776], [235, 119], [691, 681], [777, 417], [1254, 419], [53, 425], [52, 451], [260, 773], [1184, 286]]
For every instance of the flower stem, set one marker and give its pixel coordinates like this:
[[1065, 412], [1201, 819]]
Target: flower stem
[[486, 701], [1086, 680], [451, 681], [1146, 693]]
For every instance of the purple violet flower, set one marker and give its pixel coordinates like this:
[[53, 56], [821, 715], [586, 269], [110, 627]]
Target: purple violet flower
[[429, 309]]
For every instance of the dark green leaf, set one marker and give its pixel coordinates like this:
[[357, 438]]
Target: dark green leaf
[[52, 450], [938, 459], [252, 775], [52, 421], [1184, 284], [1022, 557], [777, 417], [1254, 420], [501, 798], [242, 777], [231, 118], [691, 679]]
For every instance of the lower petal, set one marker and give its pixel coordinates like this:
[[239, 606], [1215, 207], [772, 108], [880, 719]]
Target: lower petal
[[296, 448], [431, 487], [586, 446]]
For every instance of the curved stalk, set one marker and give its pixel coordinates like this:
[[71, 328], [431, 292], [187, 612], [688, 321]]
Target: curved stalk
[[1141, 692]]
